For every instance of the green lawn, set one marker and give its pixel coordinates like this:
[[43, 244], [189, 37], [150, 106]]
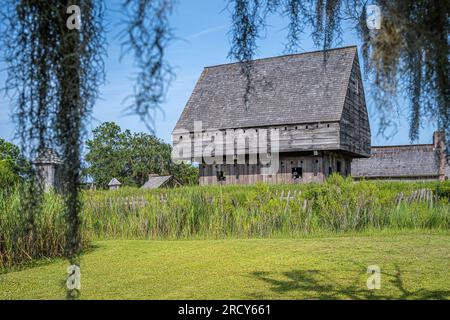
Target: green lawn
[[413, 266]]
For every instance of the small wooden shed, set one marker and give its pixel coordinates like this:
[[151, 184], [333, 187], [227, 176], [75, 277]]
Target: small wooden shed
[[156, 181], [114, 184], [48, 165]]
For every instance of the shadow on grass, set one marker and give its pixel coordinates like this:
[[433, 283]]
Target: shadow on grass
[[315, 284], [421, 294], [45, 261]]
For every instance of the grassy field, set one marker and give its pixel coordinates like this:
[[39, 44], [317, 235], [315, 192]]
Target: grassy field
[[337, 206], [414, 265]]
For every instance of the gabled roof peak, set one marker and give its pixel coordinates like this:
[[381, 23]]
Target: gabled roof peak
[[48, 156], [114, 182], [291, 89], [315, 52]]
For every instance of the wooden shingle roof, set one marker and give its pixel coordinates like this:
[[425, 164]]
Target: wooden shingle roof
[[291, 89], [114, 182], [155, 182], [48, 156]]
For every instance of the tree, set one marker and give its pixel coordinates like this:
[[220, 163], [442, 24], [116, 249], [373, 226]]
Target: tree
[[16, 161], [11, 152], [131, 157], [11, 165], [8, 175], [186, 173], [105, 153]]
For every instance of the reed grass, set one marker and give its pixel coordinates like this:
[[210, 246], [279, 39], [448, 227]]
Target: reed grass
[[21, 242], [219, 212]]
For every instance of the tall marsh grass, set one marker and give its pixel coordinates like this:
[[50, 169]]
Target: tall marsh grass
[[216, 212], [339, 205], [21, 242]]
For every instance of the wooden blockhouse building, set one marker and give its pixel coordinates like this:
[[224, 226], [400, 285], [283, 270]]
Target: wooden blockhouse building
[[314, 102]]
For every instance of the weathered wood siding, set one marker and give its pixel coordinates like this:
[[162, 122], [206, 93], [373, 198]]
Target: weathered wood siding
[[309, 137], [314, 169], [355, 127], [421, 161], [447, 169], [292, 138], [415, 161], [51, 176]]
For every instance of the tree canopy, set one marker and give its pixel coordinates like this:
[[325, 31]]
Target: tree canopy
[[11, 163], [131, 157], [11, 154], [8, 175], [9, 151]]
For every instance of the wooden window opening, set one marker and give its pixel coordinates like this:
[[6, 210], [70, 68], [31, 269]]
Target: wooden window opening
[[297, 173], [220, 176]]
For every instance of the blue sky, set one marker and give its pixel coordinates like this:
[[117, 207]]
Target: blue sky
[[202, 28]]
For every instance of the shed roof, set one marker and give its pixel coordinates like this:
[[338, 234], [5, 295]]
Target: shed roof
[[155, 182], [48, 156], [291, 89], [114, 182]]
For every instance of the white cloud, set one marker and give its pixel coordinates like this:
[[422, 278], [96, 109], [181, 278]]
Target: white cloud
[[206, 31]]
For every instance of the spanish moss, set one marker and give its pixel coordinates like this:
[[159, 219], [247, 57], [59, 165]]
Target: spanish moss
[[53, 75], [297, 13], [147, 36], [247, 24], [405, 60]]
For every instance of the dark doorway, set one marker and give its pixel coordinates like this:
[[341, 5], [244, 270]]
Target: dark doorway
[[316, 167], [220, 176], [297, 173]]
